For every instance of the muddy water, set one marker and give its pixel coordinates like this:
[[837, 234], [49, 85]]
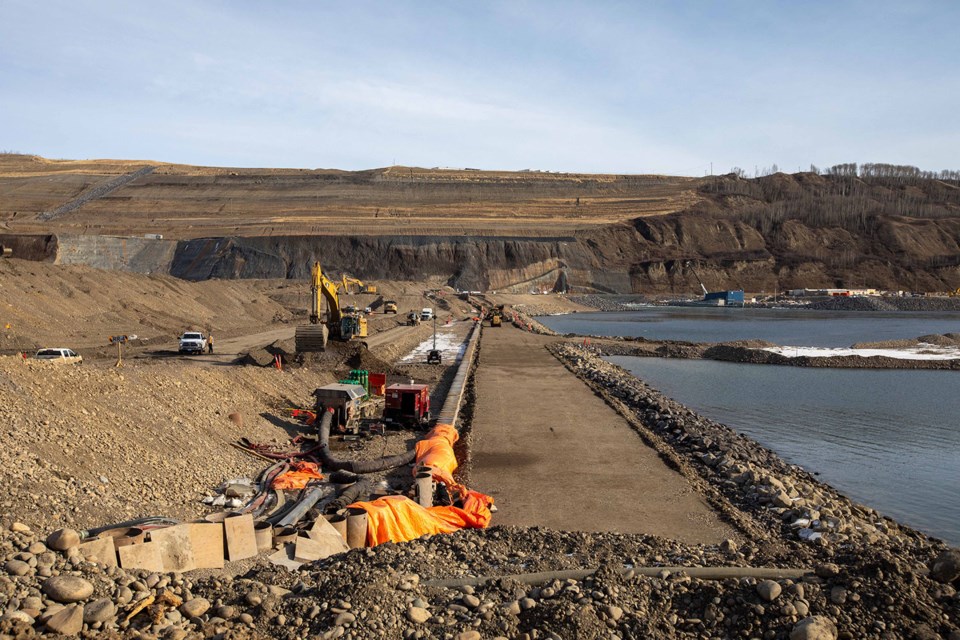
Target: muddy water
[[887, 439]]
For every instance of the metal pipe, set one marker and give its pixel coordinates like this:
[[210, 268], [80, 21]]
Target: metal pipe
[[424, 483], [308, 498], [339, 522], [356, 528], [700, 573]]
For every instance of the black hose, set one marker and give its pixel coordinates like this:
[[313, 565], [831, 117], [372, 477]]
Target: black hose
[[90, 533], [356, 466], [349, 495]]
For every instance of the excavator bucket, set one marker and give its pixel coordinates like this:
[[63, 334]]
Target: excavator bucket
[[311, 337]]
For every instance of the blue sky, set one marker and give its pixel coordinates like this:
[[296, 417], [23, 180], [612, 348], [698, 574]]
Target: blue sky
[[626, 87]]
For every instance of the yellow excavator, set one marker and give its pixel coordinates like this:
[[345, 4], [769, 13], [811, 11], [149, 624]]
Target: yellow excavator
[[313, 336], [361, 288]]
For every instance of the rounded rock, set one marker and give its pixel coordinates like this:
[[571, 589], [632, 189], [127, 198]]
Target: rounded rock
[[195, 608], [946, 567], [19, 527], [17, 568], [20, 616], [418, 615], [769, 590], [826, 570], [469, 635], [838, 595], [343, 619], [102, 610], [470, 600], [814, 628], [67, 589], [63, 539], [68, 621]]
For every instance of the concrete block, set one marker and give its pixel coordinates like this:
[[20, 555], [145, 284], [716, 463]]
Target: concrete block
[[141, 556], [327, 535], [100, 550], [208, 544], [319, 546], [284, 557], [241, 538], [176, 548]]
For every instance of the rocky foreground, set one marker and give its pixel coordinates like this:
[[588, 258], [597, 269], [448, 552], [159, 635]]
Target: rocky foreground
[[863, 575]]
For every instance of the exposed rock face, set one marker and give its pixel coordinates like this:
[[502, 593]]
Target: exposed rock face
[[776, 232]]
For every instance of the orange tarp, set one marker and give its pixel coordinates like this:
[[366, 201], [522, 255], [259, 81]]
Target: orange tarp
[[436, 451], [399, 519], [299, 475]]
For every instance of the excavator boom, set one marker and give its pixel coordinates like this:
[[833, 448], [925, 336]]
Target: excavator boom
[[313, 337]]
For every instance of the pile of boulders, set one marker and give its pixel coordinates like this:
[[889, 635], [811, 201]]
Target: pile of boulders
[[480, 584]]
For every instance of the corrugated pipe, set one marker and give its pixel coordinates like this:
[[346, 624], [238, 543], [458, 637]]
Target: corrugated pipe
[[355, 466]]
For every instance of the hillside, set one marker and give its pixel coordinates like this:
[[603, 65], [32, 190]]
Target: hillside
[[518, 231], [182, 202]]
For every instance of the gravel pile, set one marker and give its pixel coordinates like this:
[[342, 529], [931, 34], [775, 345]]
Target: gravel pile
[[610, 302], [870, 577], [96, 445], [885, 304]]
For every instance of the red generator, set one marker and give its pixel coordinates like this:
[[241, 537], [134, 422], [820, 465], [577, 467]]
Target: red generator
[[407, 405]]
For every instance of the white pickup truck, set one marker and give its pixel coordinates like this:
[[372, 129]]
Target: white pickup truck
[[193, 342], [59, 356]]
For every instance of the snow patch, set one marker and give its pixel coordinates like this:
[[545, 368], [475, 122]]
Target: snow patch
[[922, 351]]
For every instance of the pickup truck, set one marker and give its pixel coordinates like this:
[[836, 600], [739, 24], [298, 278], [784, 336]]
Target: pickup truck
[[193, 342], [59, 356]]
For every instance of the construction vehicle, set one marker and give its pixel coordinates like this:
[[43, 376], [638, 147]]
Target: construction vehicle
[[390, 306], [434, 357], [697, 276], [313, 337], [5, 252], [413, 318], [495, 316], [353, 325], [361, 288], [407, 405]]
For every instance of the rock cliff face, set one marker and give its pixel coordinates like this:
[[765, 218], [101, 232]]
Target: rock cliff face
[[895, 229], [656, 255], [652, 255]]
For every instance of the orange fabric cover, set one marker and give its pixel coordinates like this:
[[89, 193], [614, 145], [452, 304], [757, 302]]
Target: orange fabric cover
[[436, 451], [299, 475], [400, 519]]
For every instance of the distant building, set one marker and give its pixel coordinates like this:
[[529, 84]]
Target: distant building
[[724, 298], [836, 293]]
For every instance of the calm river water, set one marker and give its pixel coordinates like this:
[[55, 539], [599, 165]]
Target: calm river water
[[787, 327], [887, 439]]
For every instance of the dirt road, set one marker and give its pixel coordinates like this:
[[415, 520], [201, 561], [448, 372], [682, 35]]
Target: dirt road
[[555, 455]]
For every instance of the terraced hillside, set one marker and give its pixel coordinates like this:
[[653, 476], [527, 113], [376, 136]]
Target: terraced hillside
[[184, 202]]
